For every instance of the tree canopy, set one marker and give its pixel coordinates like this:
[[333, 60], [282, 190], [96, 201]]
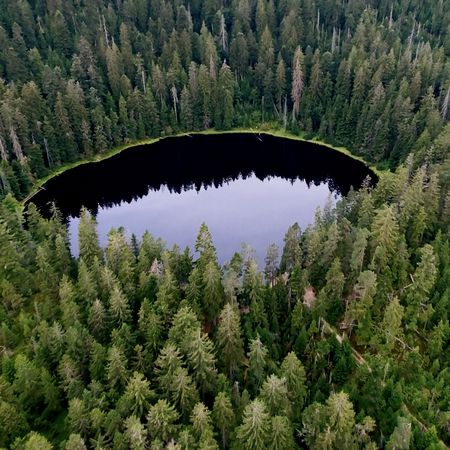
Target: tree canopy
[[340, 342]]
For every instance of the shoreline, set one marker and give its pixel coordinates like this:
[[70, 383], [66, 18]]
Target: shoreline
[[39, 184]]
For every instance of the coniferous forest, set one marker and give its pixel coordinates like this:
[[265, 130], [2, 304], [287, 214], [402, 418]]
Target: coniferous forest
[[341, 340]]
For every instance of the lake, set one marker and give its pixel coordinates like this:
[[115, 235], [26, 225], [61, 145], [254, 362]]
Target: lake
[[248, 188]]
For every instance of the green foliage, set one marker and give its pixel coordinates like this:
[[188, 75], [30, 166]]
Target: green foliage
[[343, 343], [161, 420], [224, 416], [229, 340], [133, 369], [254, 433], [148, 69]]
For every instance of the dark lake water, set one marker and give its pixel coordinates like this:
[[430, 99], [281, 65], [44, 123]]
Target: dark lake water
[[247, 188]]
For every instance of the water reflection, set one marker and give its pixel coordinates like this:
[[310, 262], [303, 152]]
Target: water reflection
[[246, 188]]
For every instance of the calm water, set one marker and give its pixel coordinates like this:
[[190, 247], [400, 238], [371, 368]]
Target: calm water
[[247, 188]]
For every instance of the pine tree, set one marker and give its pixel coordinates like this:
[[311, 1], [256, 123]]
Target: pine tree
[[184, 323], [69, 307], [116, 368], [274, 393], [137, 395], [75, 442], [87, 289], [186, 110], [359, 251], [258, 361], [293, 371], [224, 416], [360, 309], [201, 420], [115, 69], [329, 302], [390, 327], [194, 290], [254, 433], [88, 239], [97, 361], [213, 291], [330, 245], [168, 295], [424, 278], [297, 82], [292, 252], [168, 361], [225, 95], [331, 425], [161, 420], [98, 320], [254, 290], [36, 441], [384, 237], [46, 277], [119, 309], [120, 259], [205, 87], [183, 391], [135, 433], [77, 417], [201, 360], [280, 84], [282, 434], [341, 419], [239, 55], [204, 246], [229, 341], [65, 138]]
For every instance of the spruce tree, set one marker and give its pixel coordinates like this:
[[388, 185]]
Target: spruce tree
[[229, 340], [254, 432]]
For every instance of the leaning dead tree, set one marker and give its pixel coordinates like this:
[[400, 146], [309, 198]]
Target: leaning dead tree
[[445, 105], [3, 152], [17, 148]]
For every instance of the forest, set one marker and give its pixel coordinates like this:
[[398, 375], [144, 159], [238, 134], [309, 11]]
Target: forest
[[81, 77], [341, 340]]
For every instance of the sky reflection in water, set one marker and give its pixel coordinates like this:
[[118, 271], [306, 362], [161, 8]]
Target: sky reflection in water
[[246, 188]]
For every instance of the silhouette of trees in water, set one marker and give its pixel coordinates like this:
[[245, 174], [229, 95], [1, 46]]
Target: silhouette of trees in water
[[196, 162]]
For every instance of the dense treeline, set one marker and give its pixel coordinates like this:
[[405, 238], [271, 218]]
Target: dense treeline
[[79, 77], [342, 342]]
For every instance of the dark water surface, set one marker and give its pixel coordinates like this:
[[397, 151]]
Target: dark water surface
[[247, 188]]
